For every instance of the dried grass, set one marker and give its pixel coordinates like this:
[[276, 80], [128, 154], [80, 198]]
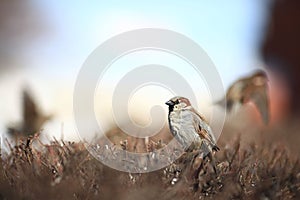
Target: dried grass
[[65, 170]]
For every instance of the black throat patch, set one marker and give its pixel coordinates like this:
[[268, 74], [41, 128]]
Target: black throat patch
[[171, 108]]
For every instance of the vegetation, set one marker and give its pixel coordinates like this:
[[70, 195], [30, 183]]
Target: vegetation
[[66, 170]]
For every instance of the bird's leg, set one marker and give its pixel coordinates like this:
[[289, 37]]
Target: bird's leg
[[212, 162]]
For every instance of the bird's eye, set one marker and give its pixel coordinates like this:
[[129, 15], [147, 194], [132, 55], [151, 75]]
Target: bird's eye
[[176, 107]]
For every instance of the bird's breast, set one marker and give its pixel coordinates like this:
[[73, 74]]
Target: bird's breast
[[182, 126]]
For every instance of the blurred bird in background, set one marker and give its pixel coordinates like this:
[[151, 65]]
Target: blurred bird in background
[[33, 118], [253, 89]]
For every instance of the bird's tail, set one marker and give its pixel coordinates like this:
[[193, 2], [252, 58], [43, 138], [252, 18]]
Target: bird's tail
[[221, 102], [215, 148]]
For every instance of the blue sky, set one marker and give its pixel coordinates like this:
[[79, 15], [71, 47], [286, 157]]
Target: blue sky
[[229, 31]]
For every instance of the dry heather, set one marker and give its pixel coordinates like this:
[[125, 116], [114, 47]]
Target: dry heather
[[65, 170]]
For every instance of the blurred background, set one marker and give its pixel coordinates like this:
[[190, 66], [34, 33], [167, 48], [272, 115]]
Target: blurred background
[[44, 44]]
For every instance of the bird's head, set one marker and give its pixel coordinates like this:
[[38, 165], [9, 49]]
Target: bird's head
[[178, 103], [259, 78]]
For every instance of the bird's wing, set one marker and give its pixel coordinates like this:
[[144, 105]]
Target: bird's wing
[[233, 94], [260, 97], [33, 118], [203, 129], [29, 106]]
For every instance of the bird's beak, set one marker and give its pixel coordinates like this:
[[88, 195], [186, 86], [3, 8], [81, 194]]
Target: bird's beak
[[170, 103]]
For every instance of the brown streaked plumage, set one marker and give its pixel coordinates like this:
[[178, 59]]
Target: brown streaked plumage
[[188, 126], [250, 89], [32, 117]]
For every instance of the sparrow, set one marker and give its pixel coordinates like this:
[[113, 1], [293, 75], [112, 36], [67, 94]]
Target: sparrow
[[253, 89], [33, 119], [189, 127]]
